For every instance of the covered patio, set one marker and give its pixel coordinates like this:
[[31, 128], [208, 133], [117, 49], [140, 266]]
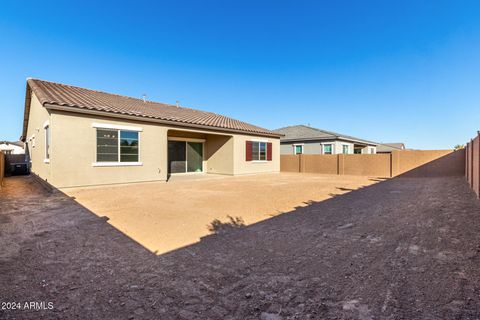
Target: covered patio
[[197, 152]]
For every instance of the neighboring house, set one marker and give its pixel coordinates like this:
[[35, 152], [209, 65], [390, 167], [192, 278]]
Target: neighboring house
[[12, 147], [82, 137], [389, 147], [302, 139]]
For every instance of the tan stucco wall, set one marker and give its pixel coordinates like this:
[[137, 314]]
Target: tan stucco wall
[[73, 150], [36, 139], [241, 166], [218, 154]]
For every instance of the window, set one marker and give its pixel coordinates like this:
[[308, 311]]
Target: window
[[259, 151], [47, 142], [327, 149], [372, 150], [117, 145], [298, 149], [345, 148]]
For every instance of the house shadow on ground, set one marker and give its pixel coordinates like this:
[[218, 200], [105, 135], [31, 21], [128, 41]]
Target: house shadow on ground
[[403, 248]]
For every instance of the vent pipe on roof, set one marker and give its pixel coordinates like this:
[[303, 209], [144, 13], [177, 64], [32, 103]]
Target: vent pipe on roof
[[144, 96], [178, 103]]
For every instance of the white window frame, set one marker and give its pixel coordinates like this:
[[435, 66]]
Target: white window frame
[[119, 128], [331, 144], [266, 150], [348, 148], [295, 148], [46, 127]]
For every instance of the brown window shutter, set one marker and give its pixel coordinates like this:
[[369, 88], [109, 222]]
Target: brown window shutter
[[269, 151], [248, 151]]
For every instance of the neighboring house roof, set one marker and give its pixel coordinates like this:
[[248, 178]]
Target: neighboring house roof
[[302, 133], [16, 143], [75, 99], [389, 147]]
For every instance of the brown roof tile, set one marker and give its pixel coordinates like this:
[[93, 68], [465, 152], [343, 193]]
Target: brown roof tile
[[79, 98]]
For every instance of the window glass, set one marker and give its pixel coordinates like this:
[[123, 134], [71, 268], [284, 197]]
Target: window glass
[[298, 149], [47, 142], [107, 145], [263, 151], [327, 149], [255, 151], [128, 146], [345, 149]]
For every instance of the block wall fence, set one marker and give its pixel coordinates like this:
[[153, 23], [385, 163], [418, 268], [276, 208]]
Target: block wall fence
[[472, 163], [410, 163]]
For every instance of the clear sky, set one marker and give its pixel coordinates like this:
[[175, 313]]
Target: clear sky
[[388, 71]]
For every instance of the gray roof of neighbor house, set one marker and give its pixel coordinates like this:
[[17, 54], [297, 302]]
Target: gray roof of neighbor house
[[75, 99], [15, 143], [388, 147], [303, 133]]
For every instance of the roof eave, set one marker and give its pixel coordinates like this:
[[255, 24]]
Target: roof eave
[[156, 120], [331, 138], [26, 112]]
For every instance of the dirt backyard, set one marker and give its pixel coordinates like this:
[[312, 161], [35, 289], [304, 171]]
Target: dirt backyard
[[166, 216], [406, 248]]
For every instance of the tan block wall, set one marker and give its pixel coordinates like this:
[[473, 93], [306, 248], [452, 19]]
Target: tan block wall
[[38, 116], [328, 164], [365, 164], [2, 168], [476, 165], [289, 163], [428, 163], [472, 164], [406, 163]]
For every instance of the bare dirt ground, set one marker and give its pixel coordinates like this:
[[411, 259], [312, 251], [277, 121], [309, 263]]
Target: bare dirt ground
[[406, 248], [166, 216]]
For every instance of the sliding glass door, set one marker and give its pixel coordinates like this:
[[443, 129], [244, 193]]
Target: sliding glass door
[[185, 156], [194, 157]]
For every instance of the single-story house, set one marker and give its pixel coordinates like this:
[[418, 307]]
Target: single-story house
[[301, 139], [390, 147], [81, 137], [12, 147]]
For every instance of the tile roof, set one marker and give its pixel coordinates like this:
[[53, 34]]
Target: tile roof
[[68, 96], [302, 132]]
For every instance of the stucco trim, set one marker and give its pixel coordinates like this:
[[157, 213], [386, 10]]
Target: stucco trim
[[116, 127]]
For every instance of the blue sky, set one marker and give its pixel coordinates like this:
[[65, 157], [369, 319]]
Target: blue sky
[[380, 70]]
